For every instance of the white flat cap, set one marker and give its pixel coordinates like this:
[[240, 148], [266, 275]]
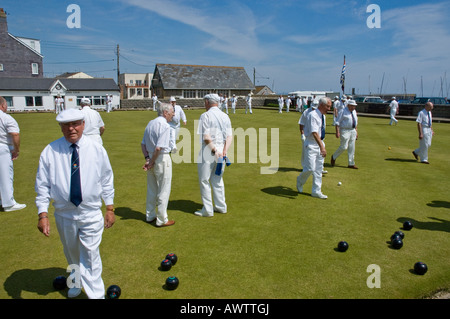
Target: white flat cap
[[172, 99], [352, 102], [70, 115], [212, 97], [85, 100]]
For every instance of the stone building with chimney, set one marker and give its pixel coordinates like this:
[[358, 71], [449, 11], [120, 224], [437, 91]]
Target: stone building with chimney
[[19, 56]]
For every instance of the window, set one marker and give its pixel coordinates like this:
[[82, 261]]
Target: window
[[202, 93], [38, 101], [34, 68], [9, 100], [139, 92], [189, 94], [33, 101], [223, 92], [98, 100], [29, 101], [1, 67], [138, 82]]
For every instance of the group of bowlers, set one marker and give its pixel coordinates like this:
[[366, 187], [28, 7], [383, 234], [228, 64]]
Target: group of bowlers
[[75, 173], [312, 126]]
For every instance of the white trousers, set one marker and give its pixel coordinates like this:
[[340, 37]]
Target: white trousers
[[81, 241], [348, 139], [6, 177], [233, 106], [212, 186], [312, 163], [393, 119], [248, 107], [174, 132], [280, 108], [424, 144], [159, 182]]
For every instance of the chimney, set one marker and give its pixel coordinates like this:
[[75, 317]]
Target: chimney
[[3, 23]]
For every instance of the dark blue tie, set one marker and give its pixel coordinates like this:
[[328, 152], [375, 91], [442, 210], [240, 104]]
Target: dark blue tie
[[353, 121], [429, 119], [322, 136], [75, 181]]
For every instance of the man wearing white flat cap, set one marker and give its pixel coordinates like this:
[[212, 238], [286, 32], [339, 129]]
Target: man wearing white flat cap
[[93, 123], [76, 174], [347, 131], [216, 136]]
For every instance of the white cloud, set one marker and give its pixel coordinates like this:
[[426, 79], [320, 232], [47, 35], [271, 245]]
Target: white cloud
[[231, 31]]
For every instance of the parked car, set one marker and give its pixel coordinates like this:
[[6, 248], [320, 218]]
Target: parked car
[[368, 99], [404, 101], [434, 100]]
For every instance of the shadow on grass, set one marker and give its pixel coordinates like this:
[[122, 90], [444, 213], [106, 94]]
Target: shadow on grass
[[401, 160], [439, 203], [281, 191], [128, 213], [186, 206], [39, 281], [436, 225]]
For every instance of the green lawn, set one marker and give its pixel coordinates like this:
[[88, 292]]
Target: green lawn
[[274, 243]]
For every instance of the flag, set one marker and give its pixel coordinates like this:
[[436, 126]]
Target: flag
[[343, 76]]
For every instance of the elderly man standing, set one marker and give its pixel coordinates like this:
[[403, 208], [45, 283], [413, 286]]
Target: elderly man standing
[[158, 165], [178, 116], [346, 130], [76, 174], [9, 151], [216, 137], [425, 127], [93, 123], [393, 111], [314, 149]]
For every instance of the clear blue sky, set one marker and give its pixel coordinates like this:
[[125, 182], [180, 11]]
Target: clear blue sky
[[292, 44]]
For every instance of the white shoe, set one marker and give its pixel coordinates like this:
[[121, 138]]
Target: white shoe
[[73, 292], [300, 188], [319, 195], [17, 206], [174, 150], [200, 213]]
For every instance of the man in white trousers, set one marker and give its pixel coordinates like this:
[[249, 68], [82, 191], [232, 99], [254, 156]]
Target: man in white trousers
[[280, 104], [425, 127], [233, 101], [314, 149], [75, 172], [347, 130], [154, 101], [216, 136], [94, 127], [156, 149], [178, 117], [288, 103], [393, 111], [9, 152], [248, 103]]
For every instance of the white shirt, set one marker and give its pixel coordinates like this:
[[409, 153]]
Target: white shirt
[[215, 125], [344, 119], [93, 121], [53, 179], [393, 105], [178, 115], [7, 125], [157, 134], [314, 124], [422, 118]]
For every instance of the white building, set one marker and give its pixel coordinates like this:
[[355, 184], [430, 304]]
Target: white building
[[38, 94], [135, 85]]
